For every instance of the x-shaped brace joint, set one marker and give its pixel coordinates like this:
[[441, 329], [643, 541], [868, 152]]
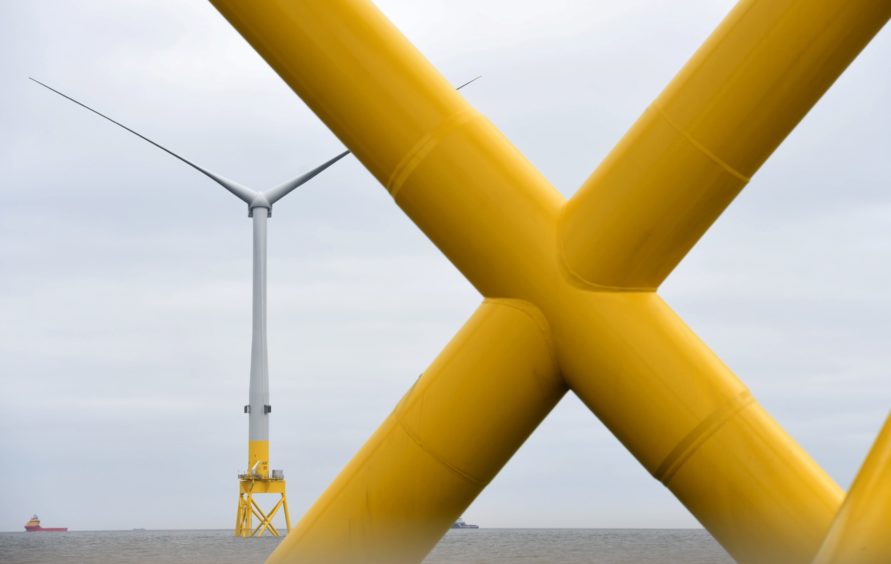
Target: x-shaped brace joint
[[569, 287]]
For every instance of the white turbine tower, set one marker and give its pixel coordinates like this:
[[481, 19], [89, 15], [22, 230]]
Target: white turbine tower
[[258, 478]]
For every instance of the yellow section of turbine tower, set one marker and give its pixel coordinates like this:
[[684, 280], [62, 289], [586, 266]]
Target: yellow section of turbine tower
[[258, 480], [258, 458], [569, 287]]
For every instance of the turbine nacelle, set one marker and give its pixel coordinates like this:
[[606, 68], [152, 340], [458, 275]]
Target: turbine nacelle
[[255, 199], [259, 201]]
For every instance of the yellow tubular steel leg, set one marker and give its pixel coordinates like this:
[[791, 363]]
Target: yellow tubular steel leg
[[476, 197], [239, 516], [247, 514], [287, 514], [704, 137], [694, 426], [861, 533], [445, 440]]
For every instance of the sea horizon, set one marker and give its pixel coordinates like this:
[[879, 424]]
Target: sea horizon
[[487, 544], [229, 529]]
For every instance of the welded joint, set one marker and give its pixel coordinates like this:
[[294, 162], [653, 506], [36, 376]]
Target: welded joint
[[467, 477], [425, 145], [538, 318], [660, 110], [700, 434], [578, 280]]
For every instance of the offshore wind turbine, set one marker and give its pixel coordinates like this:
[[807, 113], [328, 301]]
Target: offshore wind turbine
[[258, 478]]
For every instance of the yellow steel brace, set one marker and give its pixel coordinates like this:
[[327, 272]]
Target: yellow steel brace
[[248, 507], [860, 532]]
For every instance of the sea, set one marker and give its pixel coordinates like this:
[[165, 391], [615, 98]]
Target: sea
[[551, 546]]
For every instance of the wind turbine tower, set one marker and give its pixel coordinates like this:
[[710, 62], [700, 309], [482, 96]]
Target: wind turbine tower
[[258, 479]]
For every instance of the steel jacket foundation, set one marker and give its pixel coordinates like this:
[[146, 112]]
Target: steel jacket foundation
[[586, 270]]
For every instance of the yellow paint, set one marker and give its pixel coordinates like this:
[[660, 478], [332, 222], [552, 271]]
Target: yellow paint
[[248, 508], [258, 458], [257, 481], [262, 486], [861, 533], [583, 272], [445, 440], [703, 138]]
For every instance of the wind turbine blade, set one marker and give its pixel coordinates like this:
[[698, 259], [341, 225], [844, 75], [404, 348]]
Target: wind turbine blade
[[469, 81], [280, 192], [242, 192]]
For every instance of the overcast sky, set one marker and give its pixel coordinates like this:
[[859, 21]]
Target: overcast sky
[[125, 275]]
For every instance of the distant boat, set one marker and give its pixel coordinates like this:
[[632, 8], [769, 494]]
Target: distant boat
[[460, 524], [33, 526]]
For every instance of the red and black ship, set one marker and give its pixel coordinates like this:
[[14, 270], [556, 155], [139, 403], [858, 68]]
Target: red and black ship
[[33, 526]]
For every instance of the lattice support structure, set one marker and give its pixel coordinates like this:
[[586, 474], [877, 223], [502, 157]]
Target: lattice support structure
[[569, 287], [249, 508]]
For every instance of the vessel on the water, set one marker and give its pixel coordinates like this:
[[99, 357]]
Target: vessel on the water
[[460, 524], [33, 526]]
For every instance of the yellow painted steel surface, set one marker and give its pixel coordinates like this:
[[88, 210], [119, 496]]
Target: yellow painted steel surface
[[257, 481], [447, 438], [861, 533], [587, 269], [258, 457], [261, 486], [704, 137], [694, 426], [248, 508]]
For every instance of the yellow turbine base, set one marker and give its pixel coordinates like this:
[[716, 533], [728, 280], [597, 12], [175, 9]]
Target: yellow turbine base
[[248, 508], [258, 458]]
